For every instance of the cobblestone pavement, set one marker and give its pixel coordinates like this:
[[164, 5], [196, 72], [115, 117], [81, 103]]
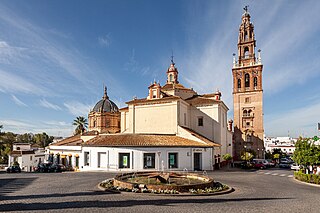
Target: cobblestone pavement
[[255, 191]]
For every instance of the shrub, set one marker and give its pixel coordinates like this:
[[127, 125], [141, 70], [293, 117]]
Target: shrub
[[309, 178]]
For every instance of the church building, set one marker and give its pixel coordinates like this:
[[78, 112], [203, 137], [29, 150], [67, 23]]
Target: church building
[[173, 127], [247, 93]]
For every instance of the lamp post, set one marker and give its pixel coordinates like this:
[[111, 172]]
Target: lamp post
[[245, 154], [258, 152]]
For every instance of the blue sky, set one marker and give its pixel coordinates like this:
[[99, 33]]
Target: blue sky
[[55, 57]]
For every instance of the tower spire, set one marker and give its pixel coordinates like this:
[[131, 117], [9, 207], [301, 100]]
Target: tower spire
[[105, 96]]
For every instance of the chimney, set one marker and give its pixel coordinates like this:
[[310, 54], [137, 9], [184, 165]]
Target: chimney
[[230, 122]]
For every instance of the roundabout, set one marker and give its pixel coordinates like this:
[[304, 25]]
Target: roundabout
[[173, 183]]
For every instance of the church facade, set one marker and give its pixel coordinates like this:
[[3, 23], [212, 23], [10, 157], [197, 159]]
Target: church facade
[[247, 93]]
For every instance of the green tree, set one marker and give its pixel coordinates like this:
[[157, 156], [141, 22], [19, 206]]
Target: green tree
[[81, 124], [227, 157], [306, 152], [247, 156], [43, 139]]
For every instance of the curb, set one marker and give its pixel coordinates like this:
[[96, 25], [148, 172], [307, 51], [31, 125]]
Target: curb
[[228, 191], [310, 184]]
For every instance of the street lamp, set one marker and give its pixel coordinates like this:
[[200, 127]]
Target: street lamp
[[245, 154], [258, 152]]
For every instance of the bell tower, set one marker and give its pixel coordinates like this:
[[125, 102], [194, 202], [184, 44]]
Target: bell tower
[[247, 92]]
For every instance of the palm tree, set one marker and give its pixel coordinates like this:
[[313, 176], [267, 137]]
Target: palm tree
[[81, 124]]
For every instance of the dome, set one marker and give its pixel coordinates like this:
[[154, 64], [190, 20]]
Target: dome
[[105, 105]]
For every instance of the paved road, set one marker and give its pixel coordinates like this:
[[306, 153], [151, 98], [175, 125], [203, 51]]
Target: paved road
[[255, 191]]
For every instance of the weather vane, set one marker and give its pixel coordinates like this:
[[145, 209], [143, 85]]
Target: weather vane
[[172, 58], [246, 8]]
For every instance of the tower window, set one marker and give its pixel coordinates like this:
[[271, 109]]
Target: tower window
[[246, 52], [171, 78], [247, 100], [94, 123], [247, 80], [239, 83], [154, 93], [255, 82], [245, 113], [245, 35], [107, 123]]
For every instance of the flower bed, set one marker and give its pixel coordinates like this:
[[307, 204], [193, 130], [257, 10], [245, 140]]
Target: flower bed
[[308, 178], [217, 187]]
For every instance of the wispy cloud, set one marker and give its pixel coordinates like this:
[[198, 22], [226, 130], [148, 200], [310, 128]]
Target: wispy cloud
[[49, 105], [18, 101], [105, 41], [10, 82], [77, 109], [53, 128]]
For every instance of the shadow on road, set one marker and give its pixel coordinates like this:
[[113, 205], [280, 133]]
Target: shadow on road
[[39, 196], [9, 185], [122, 203]]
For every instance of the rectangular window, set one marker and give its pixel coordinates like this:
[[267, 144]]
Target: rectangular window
[[247, 100], [70, 161], [107, 123], [86, 158], [154, 93], [30, 158], [173, 160], [124, 160], [77, 162], [185, 118], [149, 160], [200, 121]]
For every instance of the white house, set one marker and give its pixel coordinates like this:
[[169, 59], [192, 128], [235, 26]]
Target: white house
[[27, 155]]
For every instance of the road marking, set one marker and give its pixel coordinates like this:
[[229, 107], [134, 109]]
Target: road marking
[[290, 176], [268, 173], [282, 175], [275, 174]]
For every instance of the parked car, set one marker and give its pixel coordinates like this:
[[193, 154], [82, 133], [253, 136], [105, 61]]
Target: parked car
[[14, 169], [284, 165], [270, 163], [48, 167], [295, 166], [259, 164]]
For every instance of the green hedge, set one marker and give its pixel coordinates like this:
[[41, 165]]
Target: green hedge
[[308, 178]]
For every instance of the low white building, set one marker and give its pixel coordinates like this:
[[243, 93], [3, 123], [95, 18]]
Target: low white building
[[285, 144], [27, 155], [173, 128]]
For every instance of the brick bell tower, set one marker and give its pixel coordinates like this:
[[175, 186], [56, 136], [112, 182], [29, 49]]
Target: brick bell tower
[[247, 93]]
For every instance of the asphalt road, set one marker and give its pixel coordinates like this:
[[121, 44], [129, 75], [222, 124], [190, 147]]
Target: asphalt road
[[271, 190]]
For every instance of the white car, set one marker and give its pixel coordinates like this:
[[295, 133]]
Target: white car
[[295, 166]]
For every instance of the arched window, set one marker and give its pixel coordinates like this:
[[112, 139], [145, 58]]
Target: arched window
[[239, 83], [171, 78], [247, 80], [245, 113], [246, 52], [255, 82], [249, 112], [245, 35], [94, 123]]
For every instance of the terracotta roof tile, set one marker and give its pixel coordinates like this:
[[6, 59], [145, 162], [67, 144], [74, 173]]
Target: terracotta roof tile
[[70, 141], [137, 101], [137, 140]]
